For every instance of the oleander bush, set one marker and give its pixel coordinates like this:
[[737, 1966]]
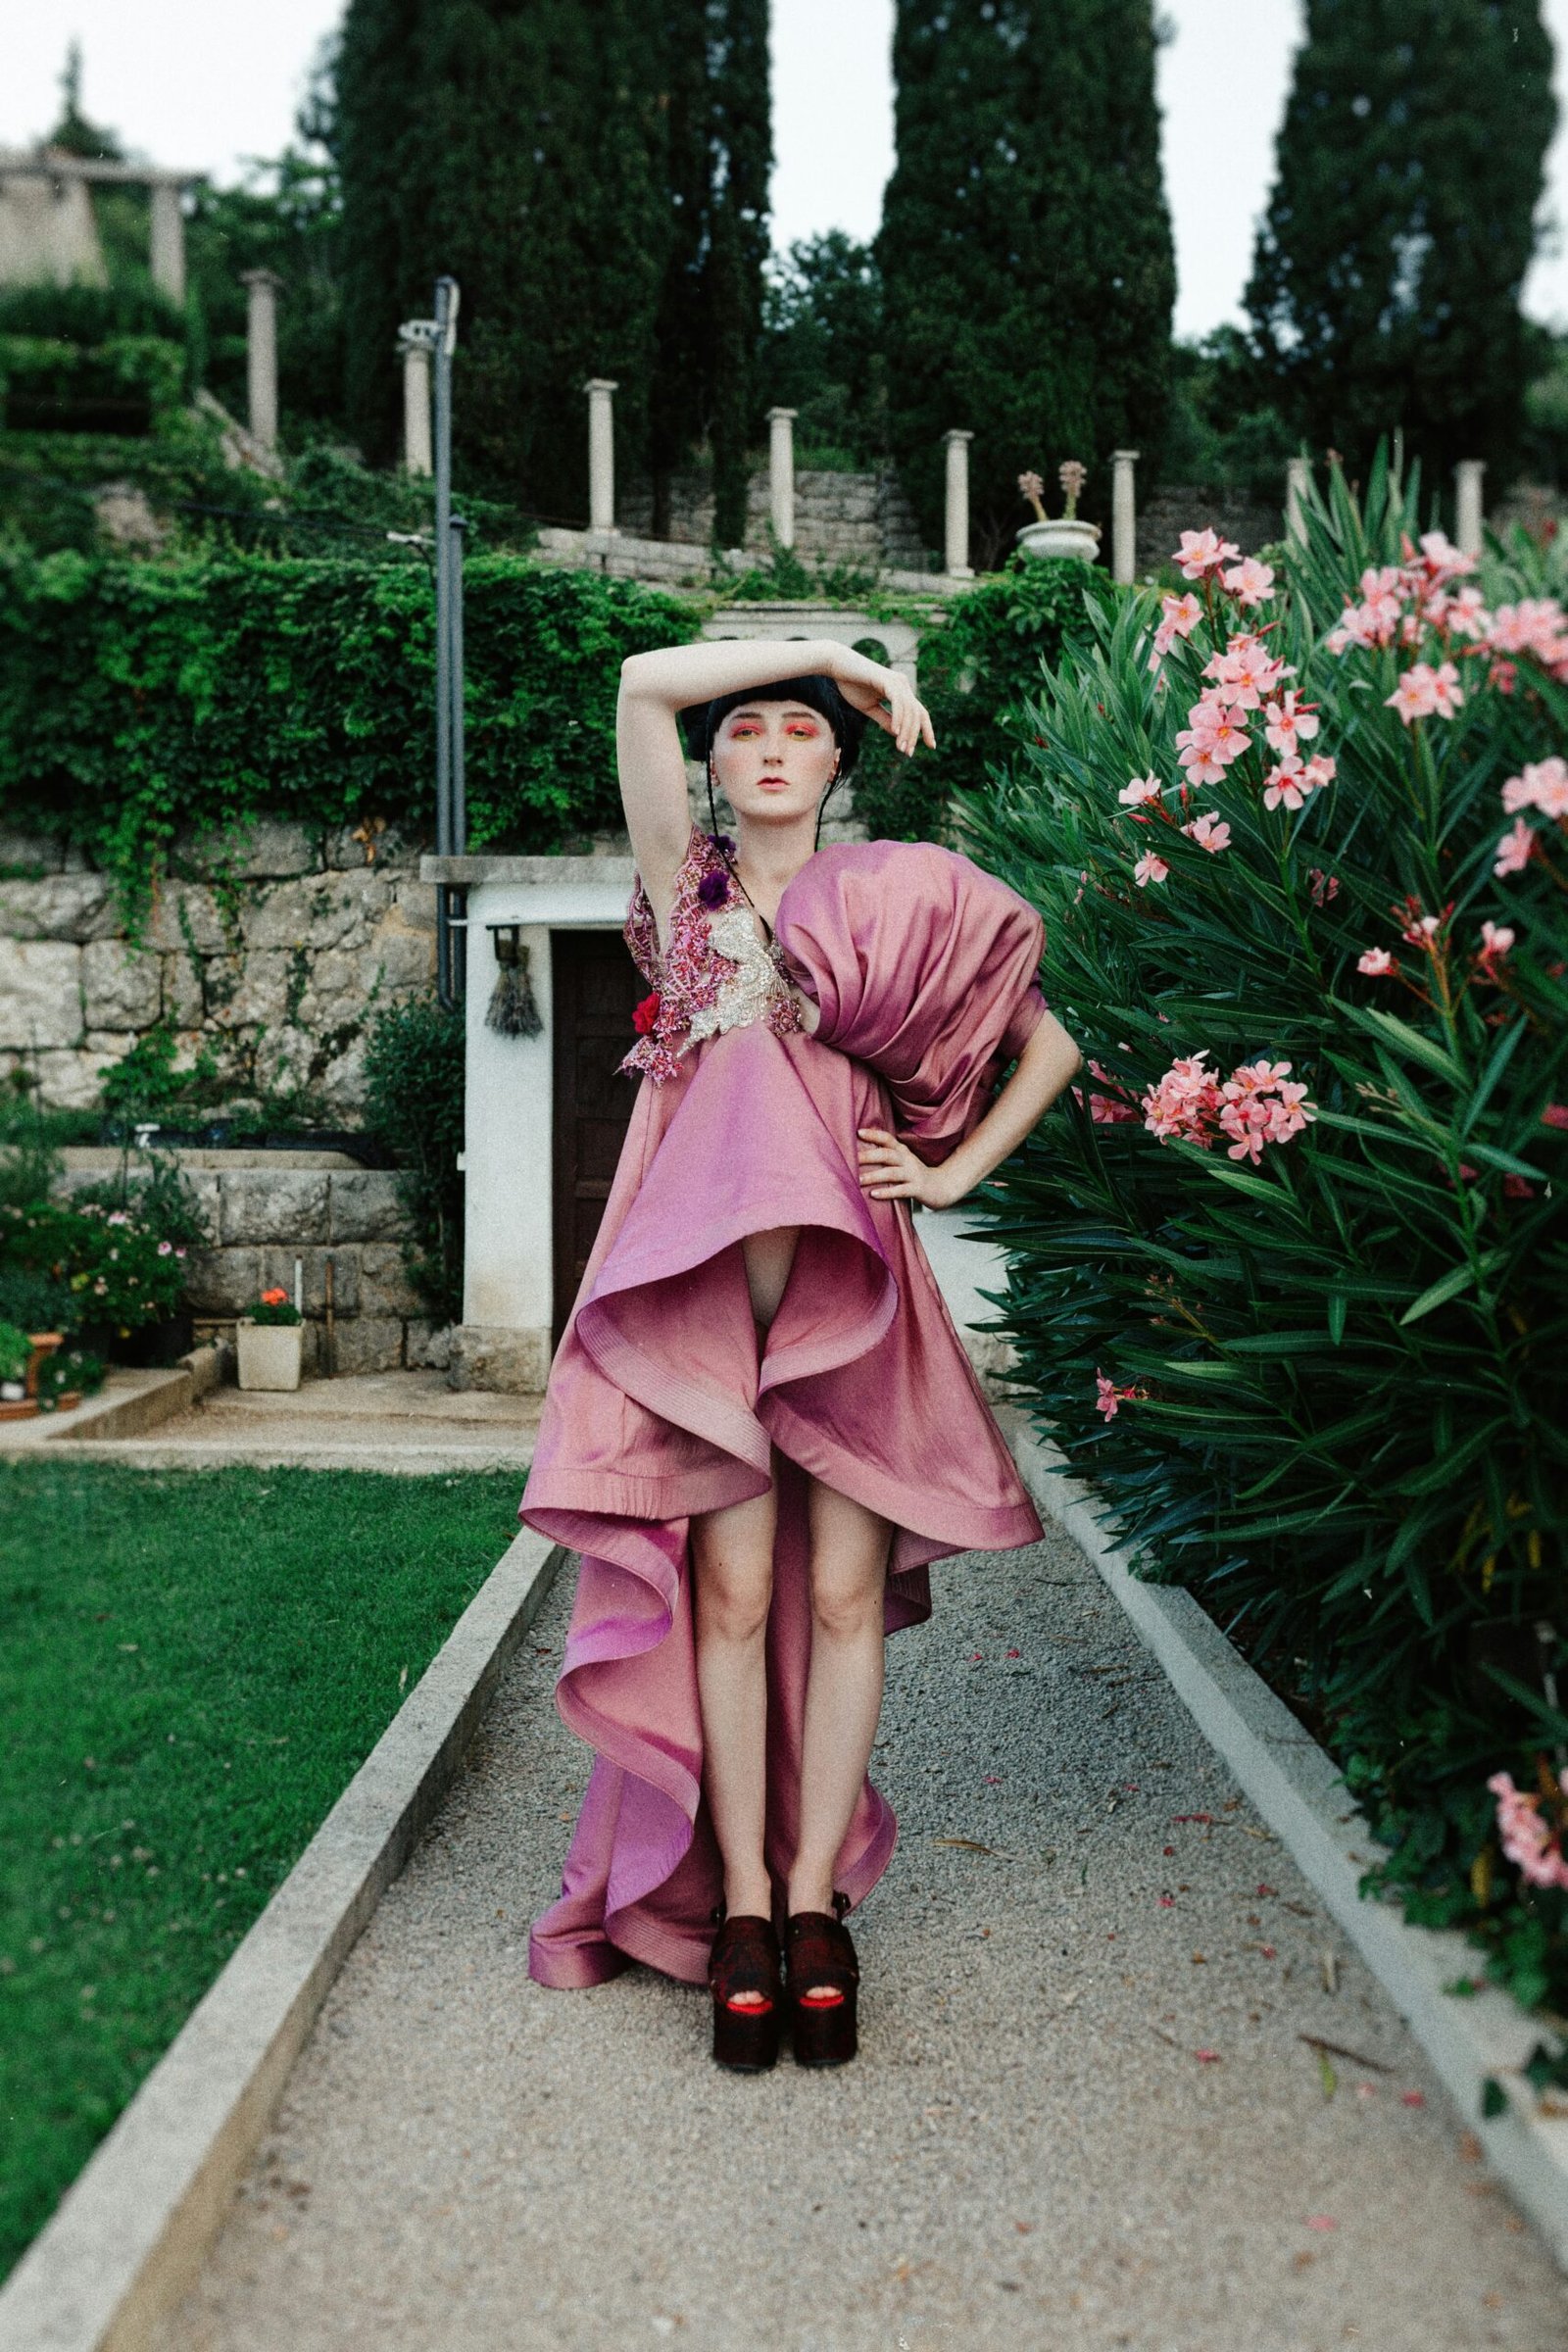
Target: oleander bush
[[1289, 1272]]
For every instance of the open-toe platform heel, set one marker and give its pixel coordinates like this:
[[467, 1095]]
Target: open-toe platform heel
[[822, 1955], [744, 1959]]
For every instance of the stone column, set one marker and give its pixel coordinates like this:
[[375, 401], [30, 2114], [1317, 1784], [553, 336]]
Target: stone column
[[419, 448], [165, 256], [1467, 532], [1297, 480], [260, 353], [601, 391], [956, 560], [781, 473], [1123, 516]]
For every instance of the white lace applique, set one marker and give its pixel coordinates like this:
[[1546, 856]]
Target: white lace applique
[[757, 982]]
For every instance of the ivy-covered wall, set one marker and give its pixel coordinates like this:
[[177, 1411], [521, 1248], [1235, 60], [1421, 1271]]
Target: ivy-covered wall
[[148, 706]]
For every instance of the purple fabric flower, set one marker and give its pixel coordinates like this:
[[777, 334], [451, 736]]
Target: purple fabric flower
[[714, 890]]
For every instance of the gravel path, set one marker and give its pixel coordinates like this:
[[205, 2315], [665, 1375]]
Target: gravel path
[[1033, 2150]]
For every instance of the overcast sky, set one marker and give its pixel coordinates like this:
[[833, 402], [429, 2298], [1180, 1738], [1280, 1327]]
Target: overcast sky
[[203, 83]]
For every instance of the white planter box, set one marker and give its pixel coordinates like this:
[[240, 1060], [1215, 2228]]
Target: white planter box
[[1061, 538], [269, 1353]]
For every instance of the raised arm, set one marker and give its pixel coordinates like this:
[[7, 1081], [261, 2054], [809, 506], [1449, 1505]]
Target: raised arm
[[648, 747]]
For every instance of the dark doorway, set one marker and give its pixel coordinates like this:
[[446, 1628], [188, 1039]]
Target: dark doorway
[[594, 985]]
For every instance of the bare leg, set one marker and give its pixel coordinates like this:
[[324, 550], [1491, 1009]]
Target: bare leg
[[732, 1563], [732, 1582], [844, 1687]]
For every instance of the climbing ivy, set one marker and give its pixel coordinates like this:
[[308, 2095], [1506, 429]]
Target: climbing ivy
[[144, 706]]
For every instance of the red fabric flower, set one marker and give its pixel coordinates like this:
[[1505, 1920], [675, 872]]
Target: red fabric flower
[[646, 1015]]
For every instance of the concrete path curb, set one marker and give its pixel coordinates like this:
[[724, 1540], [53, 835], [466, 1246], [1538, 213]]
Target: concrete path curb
[[1297, 1788], [131, 2233]]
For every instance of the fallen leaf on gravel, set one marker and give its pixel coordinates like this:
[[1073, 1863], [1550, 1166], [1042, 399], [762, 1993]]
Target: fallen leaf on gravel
[[1262, 1889], [1208, 1817], [1301, 2259], [1023, 2228], [1198, 1961], [1469, 2148], [1366, 2090], [1321, 2221], [1329, 1962], [1247, 1830], [1326, 2074], [1068, 1998]]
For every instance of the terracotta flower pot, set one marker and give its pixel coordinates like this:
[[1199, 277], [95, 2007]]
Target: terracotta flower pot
[[269, 1353]]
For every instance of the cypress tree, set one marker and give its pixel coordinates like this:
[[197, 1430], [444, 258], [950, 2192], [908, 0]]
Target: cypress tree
[[1025, 245], [593, 174], [1385, 287]]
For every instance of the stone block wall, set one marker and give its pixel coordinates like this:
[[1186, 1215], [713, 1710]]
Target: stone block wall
[[262, 1210], [861, 519], [269, 956]]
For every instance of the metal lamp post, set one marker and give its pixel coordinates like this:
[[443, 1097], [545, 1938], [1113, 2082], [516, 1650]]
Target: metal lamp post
[[439, 335]]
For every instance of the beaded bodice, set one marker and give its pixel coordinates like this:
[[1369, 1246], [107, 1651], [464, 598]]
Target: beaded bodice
[[716, 975]]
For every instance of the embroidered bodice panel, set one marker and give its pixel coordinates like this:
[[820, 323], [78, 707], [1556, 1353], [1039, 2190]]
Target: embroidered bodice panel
[[716, 975]]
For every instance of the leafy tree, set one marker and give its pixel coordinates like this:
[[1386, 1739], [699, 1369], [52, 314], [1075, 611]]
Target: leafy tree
[[594, 175], [823, 346], [1025, 244], [1385, 287]]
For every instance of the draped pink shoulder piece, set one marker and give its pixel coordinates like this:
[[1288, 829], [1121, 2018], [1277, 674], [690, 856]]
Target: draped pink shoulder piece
[[664, 1402]]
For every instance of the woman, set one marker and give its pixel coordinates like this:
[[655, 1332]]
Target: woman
[[762, 1426]]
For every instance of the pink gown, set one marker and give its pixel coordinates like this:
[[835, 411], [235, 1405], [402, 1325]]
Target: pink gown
[[663, 1401]]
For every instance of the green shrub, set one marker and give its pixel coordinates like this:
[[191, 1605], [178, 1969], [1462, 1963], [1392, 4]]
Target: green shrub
[[142, 702], [1314, 1346], [976, 674], [414, 1071]]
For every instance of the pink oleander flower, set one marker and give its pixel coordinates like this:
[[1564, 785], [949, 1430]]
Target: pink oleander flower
[[1210, 832], [1535, 625], [1324, 886], [1110, 1398], [1462, 616], [1150, 868], [1260, 1103], [1250, 582], [1179, 617], [1288, 785], [1531, 1842], [1426, 693], [1443, 559], [1185, 1103], [1543, 785], [1375, 962], [1140, 790], [1495, 939], [1420, 928], [1515, 849], [1203, 552], [1285, 726], [1211, 739], [1555, 1114], [1243, 673]]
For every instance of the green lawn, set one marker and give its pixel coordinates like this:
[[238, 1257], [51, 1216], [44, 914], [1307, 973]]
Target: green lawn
[[192, 1667]]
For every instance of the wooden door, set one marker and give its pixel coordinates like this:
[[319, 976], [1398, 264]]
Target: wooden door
[[594, 985]]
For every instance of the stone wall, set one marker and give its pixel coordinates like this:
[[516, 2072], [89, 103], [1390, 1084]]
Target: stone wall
[[861, 519], [268, 955], [262, 1210]]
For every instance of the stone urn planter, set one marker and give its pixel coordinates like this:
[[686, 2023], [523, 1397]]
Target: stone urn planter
[[1060, 537], [269, 1353]]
